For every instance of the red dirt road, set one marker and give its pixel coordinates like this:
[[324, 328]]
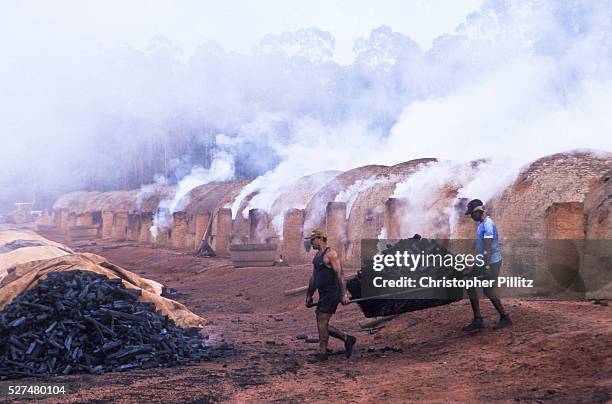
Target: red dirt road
[[555, 352]]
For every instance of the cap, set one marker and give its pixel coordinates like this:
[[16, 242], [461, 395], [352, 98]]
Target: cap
[[474, 205], [317, 233]]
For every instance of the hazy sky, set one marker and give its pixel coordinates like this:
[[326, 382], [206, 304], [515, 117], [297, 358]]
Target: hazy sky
[[517, 72], [235, 24]]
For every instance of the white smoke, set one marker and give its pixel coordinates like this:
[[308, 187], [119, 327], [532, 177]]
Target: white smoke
[[321, 148], [518, 80], [425, 193], [501, 87], [350, 194], [150, 189], [221, 169]]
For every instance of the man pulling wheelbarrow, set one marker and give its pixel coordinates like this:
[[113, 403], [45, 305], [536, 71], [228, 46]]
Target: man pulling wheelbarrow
[[327, 278]]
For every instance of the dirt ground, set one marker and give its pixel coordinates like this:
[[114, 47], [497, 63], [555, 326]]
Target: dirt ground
[[555, 352]]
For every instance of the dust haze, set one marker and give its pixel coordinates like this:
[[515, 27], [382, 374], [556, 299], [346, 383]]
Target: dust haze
[[515, 81]]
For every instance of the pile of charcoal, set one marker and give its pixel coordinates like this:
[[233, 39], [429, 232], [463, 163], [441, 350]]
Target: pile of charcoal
[[80, 321], [411, 300]]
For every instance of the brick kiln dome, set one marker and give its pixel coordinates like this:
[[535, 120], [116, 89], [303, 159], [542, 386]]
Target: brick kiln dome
[[424, 202], [210, 197], [75, 202], [315, 209], [366, 218], [87, 202], [114, 201], [520, 210], [597, 254], [598, 209], [206, 198], [294, 195], [300, 192], [148, 198]]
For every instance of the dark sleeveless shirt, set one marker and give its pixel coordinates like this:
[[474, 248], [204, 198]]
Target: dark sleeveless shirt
[[325, 277]]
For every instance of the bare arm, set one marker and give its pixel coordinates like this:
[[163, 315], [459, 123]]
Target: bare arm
[[334, 260], [488, 248]]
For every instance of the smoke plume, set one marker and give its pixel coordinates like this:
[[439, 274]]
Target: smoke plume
[[516, 81]]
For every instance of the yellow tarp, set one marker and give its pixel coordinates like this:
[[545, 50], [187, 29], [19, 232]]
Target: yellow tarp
[[28, 254], [21, 268], [8, 236], [24, 276], [8, 259]]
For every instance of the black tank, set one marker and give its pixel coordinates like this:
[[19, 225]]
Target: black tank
[[325, 277]]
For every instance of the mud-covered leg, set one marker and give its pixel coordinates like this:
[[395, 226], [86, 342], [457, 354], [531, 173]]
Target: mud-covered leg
[[336, 333], [474, 302], [477, 323], [323, 327], [492, 295], [504, 318]]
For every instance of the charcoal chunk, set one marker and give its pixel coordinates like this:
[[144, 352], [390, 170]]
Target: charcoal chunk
[[80, 321], [380, 307]]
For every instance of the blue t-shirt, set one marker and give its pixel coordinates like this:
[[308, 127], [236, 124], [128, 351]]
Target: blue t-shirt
[[488, 229]]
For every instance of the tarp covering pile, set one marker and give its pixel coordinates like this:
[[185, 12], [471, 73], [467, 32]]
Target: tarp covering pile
[[35, 267], [20, 246]]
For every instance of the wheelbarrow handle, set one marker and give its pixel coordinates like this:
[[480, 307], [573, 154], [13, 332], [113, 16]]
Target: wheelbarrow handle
[[315, 304]]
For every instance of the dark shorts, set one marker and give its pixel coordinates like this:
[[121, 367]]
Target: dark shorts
[[328, 301], [491, 273]]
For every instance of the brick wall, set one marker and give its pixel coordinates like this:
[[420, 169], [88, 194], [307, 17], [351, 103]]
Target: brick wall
[[179, 230], [202, 221], [119, 232], [146, 221], [335, 227], [133, 227], [521, 208], [222, 228], [107, 224], [293, 244]]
